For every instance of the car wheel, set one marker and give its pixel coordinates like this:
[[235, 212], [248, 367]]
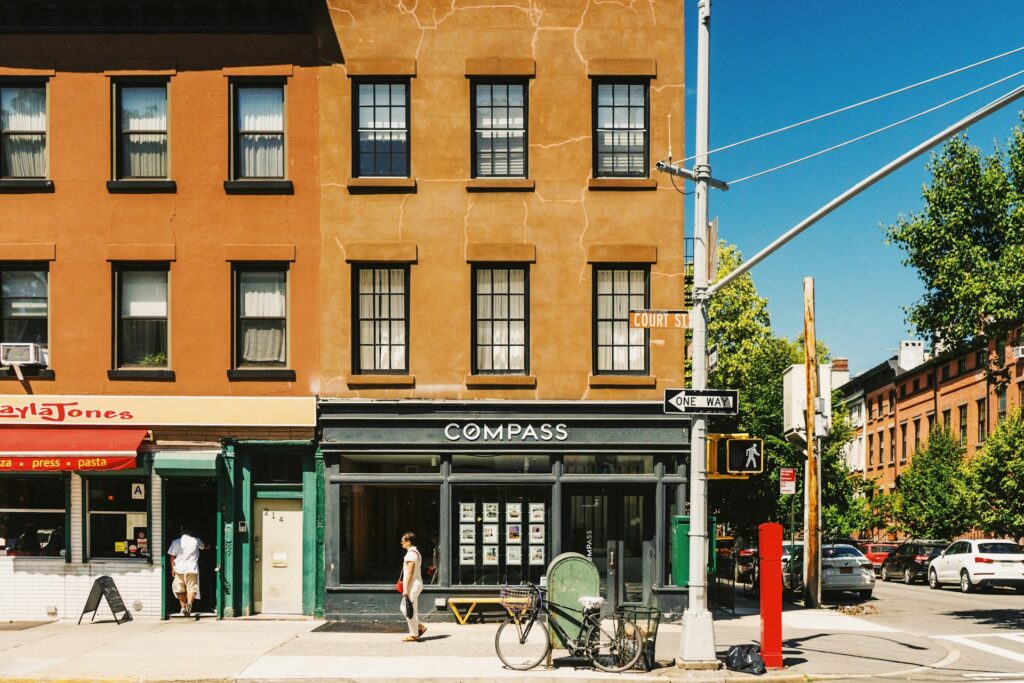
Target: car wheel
[[864, 595], [885, 573], [908, 578], [933, 580], [965, 582]]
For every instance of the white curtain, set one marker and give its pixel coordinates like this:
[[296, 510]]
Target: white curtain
[[144, 294], [144, 132], [23, 122], [263, 308], [261, 124]]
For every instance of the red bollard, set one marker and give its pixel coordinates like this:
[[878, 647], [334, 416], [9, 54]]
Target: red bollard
[[769, 550]]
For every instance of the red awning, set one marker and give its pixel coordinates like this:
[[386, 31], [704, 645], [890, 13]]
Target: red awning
[[25, 449]]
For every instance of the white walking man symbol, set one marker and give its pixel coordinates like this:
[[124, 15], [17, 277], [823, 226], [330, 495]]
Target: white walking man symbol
[[751, 453]]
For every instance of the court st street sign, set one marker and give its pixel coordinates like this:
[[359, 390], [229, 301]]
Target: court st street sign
[[702, 402], [659, 319]]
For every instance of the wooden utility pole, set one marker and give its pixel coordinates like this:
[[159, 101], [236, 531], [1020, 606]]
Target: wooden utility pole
[[812, 549]]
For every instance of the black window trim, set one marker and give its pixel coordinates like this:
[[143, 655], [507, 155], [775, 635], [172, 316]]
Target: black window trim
[[119, 181], [391, 80], [646, 268], [357, 268], [630, 80], [476, 267], [259, 371], [476, 81], [235, 182]]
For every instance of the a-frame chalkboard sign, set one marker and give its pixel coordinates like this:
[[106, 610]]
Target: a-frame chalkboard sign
[[104, 587]]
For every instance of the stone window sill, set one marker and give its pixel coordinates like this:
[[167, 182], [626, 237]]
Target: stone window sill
[[381, 185], [362, 381], [624, 381], [142, 375], [499, 381], [259, 187], [26, 185], [261, 375], [142, 187], [622, 184], [500, 185]]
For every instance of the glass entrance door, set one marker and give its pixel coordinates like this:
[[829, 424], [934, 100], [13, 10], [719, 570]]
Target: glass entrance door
[[613, 525]]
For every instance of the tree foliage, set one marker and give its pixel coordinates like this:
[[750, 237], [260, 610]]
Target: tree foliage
[[932, 499], [967, 244], [996, 477]]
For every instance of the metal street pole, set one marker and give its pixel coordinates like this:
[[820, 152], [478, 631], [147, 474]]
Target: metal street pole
[[697, 646]]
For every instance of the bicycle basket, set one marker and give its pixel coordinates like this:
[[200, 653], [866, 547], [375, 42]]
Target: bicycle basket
[[518, 599]]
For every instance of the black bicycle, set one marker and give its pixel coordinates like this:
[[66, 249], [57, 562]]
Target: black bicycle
[[609, 641]]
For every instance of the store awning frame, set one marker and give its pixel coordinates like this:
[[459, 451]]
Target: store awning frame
[[64, 449]]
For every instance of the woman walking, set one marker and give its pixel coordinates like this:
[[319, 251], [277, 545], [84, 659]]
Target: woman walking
[[412, 586]]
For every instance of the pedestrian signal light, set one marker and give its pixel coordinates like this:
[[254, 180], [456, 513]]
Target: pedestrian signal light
[[744, 456], [718, 464]]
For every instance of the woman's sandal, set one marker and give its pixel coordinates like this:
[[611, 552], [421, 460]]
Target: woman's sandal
[[410, 639]]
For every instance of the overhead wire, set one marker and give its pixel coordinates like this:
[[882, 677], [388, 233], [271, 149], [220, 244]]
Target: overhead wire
[[876, 131]]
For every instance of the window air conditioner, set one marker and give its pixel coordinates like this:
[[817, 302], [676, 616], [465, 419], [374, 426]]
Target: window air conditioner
[[1018, 352], [21, 354]]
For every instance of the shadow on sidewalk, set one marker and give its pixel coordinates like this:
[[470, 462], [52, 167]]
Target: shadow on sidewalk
[[999, 618]]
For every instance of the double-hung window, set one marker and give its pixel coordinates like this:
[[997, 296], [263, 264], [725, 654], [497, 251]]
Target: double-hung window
[[963, 425], [258, 131], [982, 419], [618, 348], [620, 129], [499, 129], [140, 142], [24, 306], [141, 317], [382, 128], [261, 324], [382, 319], [22, 130], [500, 320]]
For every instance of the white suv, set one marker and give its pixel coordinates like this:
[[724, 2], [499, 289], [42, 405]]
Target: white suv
[[979, 563]]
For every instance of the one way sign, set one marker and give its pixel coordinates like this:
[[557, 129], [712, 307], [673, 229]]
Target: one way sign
[[702, 402]]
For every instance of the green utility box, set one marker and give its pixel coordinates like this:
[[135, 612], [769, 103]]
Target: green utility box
[[681, 549]]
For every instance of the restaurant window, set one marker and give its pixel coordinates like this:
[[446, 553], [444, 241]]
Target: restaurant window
[[33, 514], [118, 517], [382, 314], [500, 534], [373, 519], [258, 131], [499, 118], [142, 320], [261, 323], [140, 140], [620, 129], [22, 130], [24, 307], [963, 425], [398, 463], [619, 348], [500, 320], [382, 129], [982, 420]]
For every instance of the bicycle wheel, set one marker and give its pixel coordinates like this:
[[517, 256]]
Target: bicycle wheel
[[523, 644], [614, 643]]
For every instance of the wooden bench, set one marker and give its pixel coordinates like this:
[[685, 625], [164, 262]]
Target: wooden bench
[[470, 604]]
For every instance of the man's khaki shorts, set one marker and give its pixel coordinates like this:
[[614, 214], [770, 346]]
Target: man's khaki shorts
[[185, 583]]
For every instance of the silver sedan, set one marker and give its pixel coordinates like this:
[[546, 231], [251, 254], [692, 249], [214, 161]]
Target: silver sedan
[[843, 568]]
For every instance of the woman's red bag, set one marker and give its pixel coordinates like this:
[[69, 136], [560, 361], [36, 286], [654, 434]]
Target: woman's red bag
[[399, 587]]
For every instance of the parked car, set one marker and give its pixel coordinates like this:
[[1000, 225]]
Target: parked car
[[787, 549], [746, 562], [843, 568], [978, 564], [910, 560], [877, 552]]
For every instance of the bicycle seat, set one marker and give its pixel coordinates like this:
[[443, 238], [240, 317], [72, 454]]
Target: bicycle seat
[[591, 602]]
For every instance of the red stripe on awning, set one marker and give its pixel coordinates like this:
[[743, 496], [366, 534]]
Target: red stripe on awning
[[24, 449]]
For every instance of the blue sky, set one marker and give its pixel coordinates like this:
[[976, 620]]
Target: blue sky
[[775, 63]]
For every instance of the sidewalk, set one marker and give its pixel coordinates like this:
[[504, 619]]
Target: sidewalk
[[819, 644]]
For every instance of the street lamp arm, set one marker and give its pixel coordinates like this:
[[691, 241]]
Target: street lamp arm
[[672, 169], [864, 184]]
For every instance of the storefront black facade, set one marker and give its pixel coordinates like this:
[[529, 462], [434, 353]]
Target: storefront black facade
[[494, 490]]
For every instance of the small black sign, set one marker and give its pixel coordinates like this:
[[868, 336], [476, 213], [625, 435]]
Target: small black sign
[[104, 587], [745, 456]]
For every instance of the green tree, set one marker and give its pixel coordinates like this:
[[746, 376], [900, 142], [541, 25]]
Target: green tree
[[932, 499], [967, 245], [996, 477]]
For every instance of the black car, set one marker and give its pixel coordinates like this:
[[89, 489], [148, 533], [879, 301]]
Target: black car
[[909, 562]]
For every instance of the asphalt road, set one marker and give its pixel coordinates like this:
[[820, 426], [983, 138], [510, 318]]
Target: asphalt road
[[983, 631]]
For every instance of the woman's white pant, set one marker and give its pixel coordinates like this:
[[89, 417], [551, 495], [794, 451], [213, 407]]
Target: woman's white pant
[[414, 596]]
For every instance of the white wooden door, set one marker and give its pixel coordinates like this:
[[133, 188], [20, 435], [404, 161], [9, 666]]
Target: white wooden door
[[277, 548]]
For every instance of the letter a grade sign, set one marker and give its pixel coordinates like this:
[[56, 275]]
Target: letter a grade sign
[[702, 402]]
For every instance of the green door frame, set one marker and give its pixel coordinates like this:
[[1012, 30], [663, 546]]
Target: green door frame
[[218, 548]]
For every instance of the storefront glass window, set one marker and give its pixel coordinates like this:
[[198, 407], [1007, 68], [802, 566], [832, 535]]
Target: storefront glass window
[[487, 463], [609, 464], [501, 534], [32, 515], [370, 463], [118, 517], [373, 520]]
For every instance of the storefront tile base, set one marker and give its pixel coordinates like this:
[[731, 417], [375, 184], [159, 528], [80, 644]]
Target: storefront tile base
[[29, 586]]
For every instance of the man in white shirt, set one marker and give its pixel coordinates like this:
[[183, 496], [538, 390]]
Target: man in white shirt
[[184, 552]]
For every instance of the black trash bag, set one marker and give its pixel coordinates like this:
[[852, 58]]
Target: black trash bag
[[745, 659]]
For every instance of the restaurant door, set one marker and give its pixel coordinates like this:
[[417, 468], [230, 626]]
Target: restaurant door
[[192, 503], [613, 525]]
